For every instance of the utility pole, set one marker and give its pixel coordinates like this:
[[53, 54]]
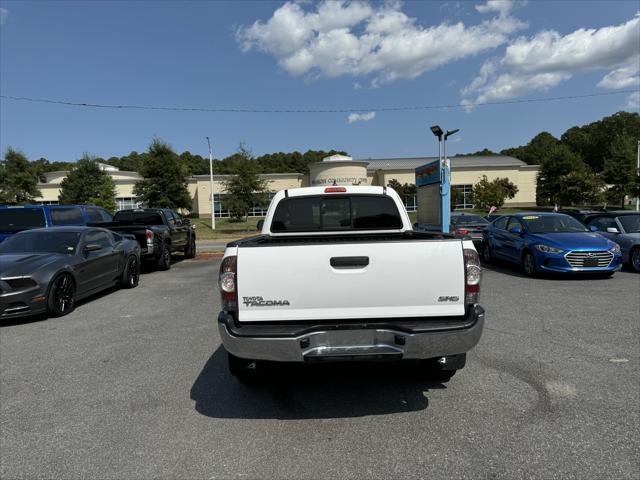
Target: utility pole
[[213, 211], [638, 175]]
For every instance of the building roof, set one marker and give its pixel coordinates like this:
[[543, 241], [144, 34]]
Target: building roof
[[456, 162]]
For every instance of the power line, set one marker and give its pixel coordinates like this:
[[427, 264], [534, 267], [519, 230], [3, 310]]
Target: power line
[[304, 110]]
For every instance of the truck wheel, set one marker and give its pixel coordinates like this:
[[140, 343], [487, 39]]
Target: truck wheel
[[190, 249], [163, 262], [245, 370], [131, 273]]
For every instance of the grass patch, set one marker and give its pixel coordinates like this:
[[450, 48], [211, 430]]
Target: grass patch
[[225, 229]]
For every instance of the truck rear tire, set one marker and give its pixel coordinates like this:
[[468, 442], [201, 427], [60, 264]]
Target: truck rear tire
[[245, 370], [163, 262], [190, 249]]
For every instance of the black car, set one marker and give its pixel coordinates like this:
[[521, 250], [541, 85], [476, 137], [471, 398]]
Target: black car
[[48, 270], [468, 224]]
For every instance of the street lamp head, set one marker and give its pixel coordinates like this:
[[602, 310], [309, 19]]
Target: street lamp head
[[437, 131], [451, 132]]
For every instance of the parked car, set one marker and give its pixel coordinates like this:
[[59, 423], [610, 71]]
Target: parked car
[[16, 219], [159, 232], [50, 269], [550, 242], [469, 224], [338, 274], [622, 228]]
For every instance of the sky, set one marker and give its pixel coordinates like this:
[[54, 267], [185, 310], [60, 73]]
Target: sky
[[357, 57]]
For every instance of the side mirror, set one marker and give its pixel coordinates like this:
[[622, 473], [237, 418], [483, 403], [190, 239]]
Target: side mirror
[[92, 247], [593, 228], [515, 230], [613, 230], [260, 224]]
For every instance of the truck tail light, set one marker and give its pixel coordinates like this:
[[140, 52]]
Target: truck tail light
[[227, 282], [149, 235], [473, 275], [335, 190], [461, 231]]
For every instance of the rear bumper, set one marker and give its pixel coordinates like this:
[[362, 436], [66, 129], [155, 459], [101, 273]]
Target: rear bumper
[[366, 343]]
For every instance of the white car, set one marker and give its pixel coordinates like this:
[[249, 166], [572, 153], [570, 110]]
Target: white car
[[338, 274]]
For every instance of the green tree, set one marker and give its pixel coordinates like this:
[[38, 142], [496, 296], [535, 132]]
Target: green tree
[[245, 188], [88, 184], [18, 179], [536, 151], [559, 162], [165, 179], [619, 170], [581, 187], [492, 193]]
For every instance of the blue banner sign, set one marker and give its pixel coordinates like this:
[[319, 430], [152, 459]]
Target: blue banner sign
[[428, 174]]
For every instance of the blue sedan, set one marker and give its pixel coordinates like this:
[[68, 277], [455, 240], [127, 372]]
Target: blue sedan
[[549, 242]]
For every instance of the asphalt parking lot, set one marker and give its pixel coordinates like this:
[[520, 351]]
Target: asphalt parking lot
[[134, 384]]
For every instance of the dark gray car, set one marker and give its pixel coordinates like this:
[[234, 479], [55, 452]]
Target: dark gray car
[[622, 228], [48, 270]]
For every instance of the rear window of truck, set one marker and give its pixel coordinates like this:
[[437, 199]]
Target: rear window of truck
[[336, 213], [140, 218]]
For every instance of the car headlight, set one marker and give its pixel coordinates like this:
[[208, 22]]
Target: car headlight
[[615, 249], [547, 249]]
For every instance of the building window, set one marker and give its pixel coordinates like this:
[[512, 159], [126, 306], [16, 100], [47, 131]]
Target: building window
[[125, 203], [464, 196], [253, 212], [410, 203]]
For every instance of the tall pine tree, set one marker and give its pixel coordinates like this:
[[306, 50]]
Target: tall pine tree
[[165, 179]]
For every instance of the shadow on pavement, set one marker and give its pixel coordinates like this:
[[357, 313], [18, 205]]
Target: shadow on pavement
[[301, 391]]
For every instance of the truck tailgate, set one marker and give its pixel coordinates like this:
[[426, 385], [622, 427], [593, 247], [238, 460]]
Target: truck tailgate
[[413, 278]]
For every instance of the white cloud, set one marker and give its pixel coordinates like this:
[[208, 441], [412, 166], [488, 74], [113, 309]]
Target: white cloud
[[503, 7], [623, 77], [633, 102], [4, 13], [359, 39], [361, 117], [548, 58]]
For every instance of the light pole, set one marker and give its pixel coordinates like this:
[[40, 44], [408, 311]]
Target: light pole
[[213, 211], [445, 178]]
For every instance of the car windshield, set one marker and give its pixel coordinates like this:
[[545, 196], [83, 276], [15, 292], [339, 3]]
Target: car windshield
[[630, 223], [18, 219], [469, 219], [41, 242], [553, 224]]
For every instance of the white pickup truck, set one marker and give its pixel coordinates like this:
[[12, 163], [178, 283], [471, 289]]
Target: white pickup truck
[[338, 274]]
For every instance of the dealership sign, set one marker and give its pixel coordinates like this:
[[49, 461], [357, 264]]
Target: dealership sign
[[428, 174]]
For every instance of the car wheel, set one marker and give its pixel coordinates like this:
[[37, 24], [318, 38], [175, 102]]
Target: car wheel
[[190, 249], [529, 264], [635, 259], [131, 273], [62, 295], [245, 370], [486, 253], [164, 260]]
